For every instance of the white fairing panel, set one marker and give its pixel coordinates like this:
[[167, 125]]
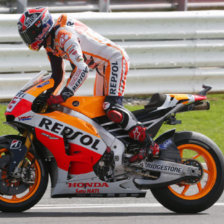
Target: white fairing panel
[[90, 184]]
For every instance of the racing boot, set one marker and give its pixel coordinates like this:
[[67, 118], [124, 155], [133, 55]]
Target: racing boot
[[118, 114], [150, 149]]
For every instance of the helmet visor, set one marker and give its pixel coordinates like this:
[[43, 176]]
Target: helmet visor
[[38, 31], [29, 35]]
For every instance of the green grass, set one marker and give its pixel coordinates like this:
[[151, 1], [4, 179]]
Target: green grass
[[5, 129], [209, 123]]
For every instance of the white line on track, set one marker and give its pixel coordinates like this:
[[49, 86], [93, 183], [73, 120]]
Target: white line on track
[[77, 206]]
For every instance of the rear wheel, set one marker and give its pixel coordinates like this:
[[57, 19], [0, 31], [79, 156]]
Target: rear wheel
[[19, 194], [194, 195]]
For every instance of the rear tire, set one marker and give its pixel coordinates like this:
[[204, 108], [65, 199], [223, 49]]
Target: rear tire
[[32, 193], [195, 197]]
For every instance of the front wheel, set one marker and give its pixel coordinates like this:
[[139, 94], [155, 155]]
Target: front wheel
[[195, 196], [19, 194]]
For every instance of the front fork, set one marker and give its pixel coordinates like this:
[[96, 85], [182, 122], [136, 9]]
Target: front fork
[[29, 139], [18, 148]]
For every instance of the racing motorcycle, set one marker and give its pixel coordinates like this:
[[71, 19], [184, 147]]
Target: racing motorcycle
[[87, 155]]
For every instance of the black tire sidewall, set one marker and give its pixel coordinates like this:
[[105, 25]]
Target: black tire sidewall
[[173, 202]]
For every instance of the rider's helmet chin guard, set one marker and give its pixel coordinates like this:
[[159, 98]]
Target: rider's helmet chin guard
[[34, 26]]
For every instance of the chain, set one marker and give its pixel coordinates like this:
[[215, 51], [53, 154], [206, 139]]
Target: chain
[[133, 171]]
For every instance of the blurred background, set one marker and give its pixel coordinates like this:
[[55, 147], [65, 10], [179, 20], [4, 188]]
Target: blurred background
[[17, 6]]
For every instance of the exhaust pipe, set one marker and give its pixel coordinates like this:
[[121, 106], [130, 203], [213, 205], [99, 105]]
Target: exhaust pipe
[[202, 106]]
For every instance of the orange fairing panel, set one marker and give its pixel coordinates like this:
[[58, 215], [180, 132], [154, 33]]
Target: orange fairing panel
[[91, 106], [38, 89], [180, 97], [73, 121]]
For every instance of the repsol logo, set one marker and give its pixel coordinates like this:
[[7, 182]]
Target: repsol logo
[[82, 77], [113, 79], [69, 133]]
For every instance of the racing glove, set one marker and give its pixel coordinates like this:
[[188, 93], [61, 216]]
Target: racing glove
[[55, 100], [65, 94]]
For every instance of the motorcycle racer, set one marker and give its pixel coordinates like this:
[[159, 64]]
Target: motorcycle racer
[[85, 49]]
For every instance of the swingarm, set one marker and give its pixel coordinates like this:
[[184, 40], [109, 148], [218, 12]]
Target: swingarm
[[164, 173]]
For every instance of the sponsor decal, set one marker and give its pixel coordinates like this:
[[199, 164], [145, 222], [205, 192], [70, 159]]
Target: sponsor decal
[[160, 167], [13, 103], [44, 32], [72, 51], [63, 39], [80, 79], [70, 23], [106, 105], [69, 133], [85, 185], [113, 79], [66, 93], [19, 96], [25, 118], [49, 136], [43, 84], [82, 188], [75, 103], [30, 19], [165, 144], [16, 144], [136, 134]]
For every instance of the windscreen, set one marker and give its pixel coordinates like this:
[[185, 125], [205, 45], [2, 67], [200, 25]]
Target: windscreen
[[40, 77]]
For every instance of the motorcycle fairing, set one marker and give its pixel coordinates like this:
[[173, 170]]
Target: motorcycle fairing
[[33, 119], [154, 113], [23, 100], [91, 106], [171, 100], [20, 104], [86, 146], [36, 90], [161, 101], [110, 140], [89, 185], [85, 133], [74, 175], [79, 161], [187, 98]]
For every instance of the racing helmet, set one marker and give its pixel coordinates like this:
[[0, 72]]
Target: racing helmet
[[34, 26]]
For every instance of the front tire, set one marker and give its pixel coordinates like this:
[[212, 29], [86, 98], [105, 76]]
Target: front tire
[[195, 197], [20, 196]]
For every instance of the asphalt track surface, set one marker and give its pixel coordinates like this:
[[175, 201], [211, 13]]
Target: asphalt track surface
[[108, 211]]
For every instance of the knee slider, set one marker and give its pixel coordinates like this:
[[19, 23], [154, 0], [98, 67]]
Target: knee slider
[[114, 112], [111, 107], [117, 113], [115, 116]]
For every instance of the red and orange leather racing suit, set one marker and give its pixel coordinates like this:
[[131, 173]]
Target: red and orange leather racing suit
[[84, 48]]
